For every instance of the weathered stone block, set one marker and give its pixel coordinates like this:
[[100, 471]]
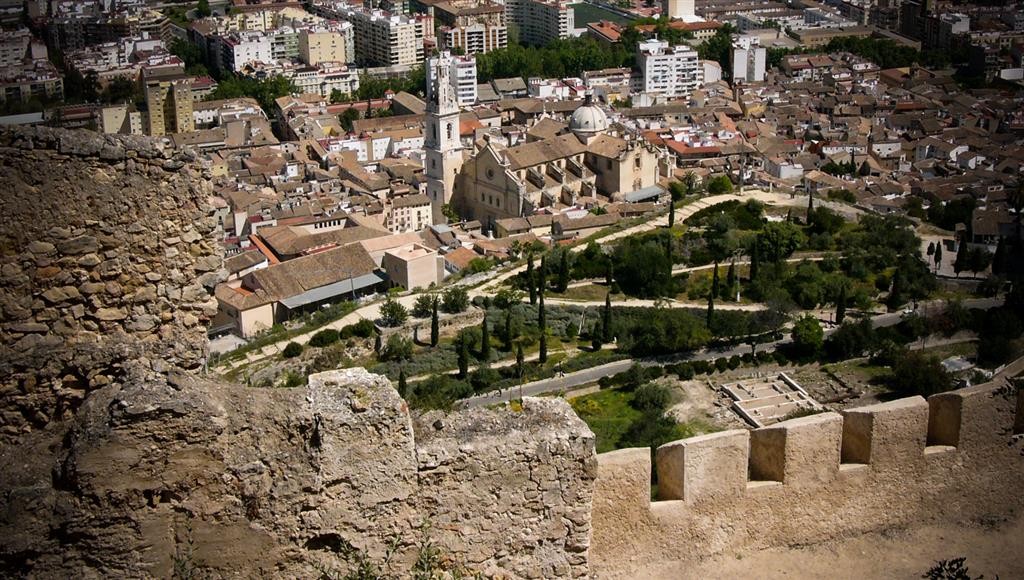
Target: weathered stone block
[[708, 465], [886, 434], [802, 451]]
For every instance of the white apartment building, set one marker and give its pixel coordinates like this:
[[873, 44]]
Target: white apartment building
[[668, 71], [239, 49], [325, 78], [322, 79], [14, 47], [540, 21], [749, 59], [463, 75], [381, 39], [474, 38]]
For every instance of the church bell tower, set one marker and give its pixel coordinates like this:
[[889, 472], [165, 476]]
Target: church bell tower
[[441, 144]]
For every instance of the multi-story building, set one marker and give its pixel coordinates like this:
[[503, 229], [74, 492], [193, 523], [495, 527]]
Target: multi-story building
[[462, 71], [473, 39], [122, 119], [169, 106], [383, 39], [409, 213], [749, 59], [540, 21], [324, 79], [238, 49], [37, 79], [14, 47], [668, 71], [335, 44]]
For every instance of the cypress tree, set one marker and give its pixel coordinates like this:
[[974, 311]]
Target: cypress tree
[[434, 326], [841, 305], [711, 297], [810, 207], [755, 260], [963, 259], [542, 281], [563, 272], [999, 259], [606, 319], [463, 357], [520, 360], [730, 282], [485, 340], [542, 322], [896, 293], [508, 330], [671, 214], [668, 251], [608, 273], [402, 387], [938, 256], [376, 343], [529, 280]]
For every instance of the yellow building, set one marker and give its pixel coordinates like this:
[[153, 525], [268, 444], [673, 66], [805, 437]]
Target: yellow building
[[316, 47], [169, 104]]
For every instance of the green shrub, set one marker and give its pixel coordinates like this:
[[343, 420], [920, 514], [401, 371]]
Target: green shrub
[[292, 350], [684, 371], [721, 364], [362, 329], [651, 397], [324, 338]]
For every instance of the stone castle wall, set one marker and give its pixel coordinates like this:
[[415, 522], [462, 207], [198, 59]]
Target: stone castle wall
[[102, 239], [119, 459], [955, 457]]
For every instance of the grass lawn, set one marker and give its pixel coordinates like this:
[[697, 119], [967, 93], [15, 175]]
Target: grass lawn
[[608, 414], [586, 293]]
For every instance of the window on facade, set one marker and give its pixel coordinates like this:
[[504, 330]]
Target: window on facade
[[609, 164], [449, 130]]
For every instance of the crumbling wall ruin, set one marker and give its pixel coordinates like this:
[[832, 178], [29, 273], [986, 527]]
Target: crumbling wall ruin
[[119, 458], [955, 457]]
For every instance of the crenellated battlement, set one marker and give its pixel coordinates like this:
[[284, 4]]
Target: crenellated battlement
[[954, 456]]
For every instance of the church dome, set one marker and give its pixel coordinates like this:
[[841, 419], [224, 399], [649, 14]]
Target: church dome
[[589, 118]]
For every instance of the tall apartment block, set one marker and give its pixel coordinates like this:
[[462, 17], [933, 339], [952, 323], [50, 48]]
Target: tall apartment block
[[749, 59], [169, 104], [540, 21], [462, 75], [668, 71]]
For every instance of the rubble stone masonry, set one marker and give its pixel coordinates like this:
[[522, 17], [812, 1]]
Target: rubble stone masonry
[[118, 458]]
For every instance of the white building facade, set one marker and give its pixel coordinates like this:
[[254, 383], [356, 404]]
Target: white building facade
[[668, 71]]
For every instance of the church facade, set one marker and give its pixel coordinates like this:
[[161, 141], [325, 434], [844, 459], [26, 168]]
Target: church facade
[[584, 164]]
